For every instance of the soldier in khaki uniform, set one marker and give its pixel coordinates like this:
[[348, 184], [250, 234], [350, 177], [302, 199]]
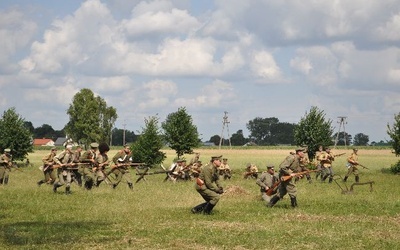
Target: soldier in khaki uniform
[[64, 159], [49, 173], [87, 171], [101, 163], [352, 162], [266, 181], [225, 170], [5, 166], [208, 186], [326, 158], [122, 159], [288, 168], [77, 176], [318, 161]]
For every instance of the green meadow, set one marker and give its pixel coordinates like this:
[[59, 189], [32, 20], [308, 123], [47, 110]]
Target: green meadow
[[156, 214]]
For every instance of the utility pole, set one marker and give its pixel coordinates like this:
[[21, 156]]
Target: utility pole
[[342, 122], [225, 122]]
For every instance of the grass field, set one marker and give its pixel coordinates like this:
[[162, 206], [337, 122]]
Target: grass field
[[156, 214]]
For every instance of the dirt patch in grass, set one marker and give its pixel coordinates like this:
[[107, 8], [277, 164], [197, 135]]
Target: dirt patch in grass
[[235, 191]]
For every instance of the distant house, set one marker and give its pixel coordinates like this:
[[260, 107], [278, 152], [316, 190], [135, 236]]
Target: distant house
[[63, 141], [208, 144], [43, 142]]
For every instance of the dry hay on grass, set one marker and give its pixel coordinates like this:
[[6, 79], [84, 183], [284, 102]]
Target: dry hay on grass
[[235, 191]]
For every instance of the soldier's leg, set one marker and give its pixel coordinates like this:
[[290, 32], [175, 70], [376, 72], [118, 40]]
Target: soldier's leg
[[68, 182], [331, 174], [357, 177], [2, 172], [128, 178], [6, 176], [292, 191]]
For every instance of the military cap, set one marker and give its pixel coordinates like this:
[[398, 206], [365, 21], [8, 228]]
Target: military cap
[[270, 166], [7, 150], [355, 149], [218, 157], [94, 145]]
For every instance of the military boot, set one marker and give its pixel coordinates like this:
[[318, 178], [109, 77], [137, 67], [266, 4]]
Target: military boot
[[345, 179], [330, 179], [67, 190], [6, 181], [208, 208], [55, 186], [357, 178], [273, 201], [40, 182], [199, 208], [130, 185], [293, 201]]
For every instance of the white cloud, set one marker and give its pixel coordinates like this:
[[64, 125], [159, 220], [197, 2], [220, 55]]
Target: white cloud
[[158, 94], [264, 67]]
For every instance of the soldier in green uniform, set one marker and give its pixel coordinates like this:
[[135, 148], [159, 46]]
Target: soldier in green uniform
[[266, 181], [208, 186], [77, 176], [64, 160], [49, 173], [121, 161], [101, 163], [288, 168], [87, 170], [5, 166], [352, 162]]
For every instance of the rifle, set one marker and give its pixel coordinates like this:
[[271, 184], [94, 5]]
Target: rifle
[[288, 177], [362, 166], [133, 164], [68, 166], [337, 155], [11, 165], [271, 190]]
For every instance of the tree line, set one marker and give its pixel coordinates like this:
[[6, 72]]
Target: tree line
[[91, 120]]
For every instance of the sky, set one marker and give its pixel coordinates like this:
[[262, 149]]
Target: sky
[[256, 58]]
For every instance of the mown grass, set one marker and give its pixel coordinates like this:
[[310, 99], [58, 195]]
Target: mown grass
[[156, 214]]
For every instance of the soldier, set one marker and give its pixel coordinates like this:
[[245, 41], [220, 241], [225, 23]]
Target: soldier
[[352, 162], [77, 176], [318, 161], [64, 160], [87, 171], [267, 181], [196, 169], [225, 170], [208, 186], [122, 159], [176, 170], [304, 163], [288, 168], [101, 162], [326, 158], [47, 168], [195, 159], [5, 166], [251, 171]]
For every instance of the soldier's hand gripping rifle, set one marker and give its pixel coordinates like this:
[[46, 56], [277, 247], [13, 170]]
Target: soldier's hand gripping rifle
[[288, 177], [272, 189]]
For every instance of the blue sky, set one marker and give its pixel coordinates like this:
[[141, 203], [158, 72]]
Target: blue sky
[[252, 59]]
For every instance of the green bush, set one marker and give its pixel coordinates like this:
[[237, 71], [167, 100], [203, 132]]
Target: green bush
[[395, 168]]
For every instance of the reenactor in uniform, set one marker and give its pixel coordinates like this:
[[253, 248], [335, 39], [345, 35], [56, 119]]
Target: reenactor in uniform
[[195, 159], [352, 162], [5, 166], [101, 162], [326, 158], [225, 170], [288, 168], [121, 161], [87, 171], [196, 169], [64, 160], [267, 181], [77, 176], [176, 170], [304, 163], [49, 173], [318, 161], [208, 186], [250, 171]]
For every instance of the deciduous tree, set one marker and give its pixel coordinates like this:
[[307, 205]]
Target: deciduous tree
[[313, 130], [394, 133], [15, 135], [180, 133]]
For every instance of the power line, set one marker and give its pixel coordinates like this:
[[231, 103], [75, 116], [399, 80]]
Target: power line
[[342, 121]]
